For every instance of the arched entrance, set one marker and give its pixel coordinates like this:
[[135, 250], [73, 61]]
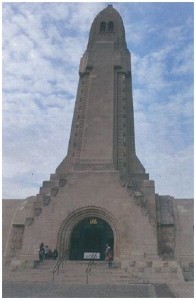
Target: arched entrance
[[66, 230], [90, 236]]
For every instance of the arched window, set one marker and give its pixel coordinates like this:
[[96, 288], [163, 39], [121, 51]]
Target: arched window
[[111, 26], [102, 26]]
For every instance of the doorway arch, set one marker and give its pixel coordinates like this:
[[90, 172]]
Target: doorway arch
[[89, 238], [75, 218]]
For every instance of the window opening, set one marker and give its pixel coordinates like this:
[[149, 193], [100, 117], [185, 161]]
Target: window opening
[[111, 26], [103, 27]]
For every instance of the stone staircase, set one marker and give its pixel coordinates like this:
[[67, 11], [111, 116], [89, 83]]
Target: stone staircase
[[75, 272], [39, 274], [72, 272], [156, 271]]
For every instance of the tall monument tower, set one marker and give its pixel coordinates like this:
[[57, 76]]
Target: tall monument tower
[[100, 192], [102, 135]]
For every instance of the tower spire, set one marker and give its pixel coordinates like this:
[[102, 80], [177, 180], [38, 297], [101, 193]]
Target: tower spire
[[102, 135]]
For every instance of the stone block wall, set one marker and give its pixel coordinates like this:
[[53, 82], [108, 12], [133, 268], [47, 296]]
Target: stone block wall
[[8, 210], [100, 193], [184, 227]]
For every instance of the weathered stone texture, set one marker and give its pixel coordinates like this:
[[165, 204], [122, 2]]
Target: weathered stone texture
[[8, 210], [101, 192], [184, 226]]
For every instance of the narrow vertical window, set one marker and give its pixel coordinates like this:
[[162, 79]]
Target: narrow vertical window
[[103, 27], [111, 26]]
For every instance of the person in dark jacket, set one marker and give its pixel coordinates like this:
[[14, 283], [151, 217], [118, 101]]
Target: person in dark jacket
[[41, 253]]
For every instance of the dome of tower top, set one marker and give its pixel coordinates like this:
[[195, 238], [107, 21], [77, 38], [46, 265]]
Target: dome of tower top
[[107, 26], [109, 11]]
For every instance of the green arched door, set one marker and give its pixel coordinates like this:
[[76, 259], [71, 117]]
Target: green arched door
[[90, 236]]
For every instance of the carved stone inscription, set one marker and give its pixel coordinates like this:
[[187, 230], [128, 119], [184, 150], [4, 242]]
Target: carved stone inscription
[[80, 117], [121, 123]]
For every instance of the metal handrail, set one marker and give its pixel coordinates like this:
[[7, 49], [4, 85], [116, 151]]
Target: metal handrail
[[89, 267], [59, 262]]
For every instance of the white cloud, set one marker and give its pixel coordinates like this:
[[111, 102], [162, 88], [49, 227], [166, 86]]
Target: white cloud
[[42, 47], [184, 61]]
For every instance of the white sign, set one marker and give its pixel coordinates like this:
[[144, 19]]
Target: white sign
[[91, 255]]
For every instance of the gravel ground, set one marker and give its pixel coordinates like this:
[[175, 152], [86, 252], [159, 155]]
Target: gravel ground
[[49, 290]]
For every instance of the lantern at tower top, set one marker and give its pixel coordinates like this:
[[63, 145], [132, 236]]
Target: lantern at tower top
[[107, 26]]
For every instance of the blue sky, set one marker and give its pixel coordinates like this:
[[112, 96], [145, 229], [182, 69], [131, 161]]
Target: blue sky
[[42, 47]]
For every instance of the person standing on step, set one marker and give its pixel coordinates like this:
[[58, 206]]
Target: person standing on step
[[107, 252], [41, 253], [46, 251], [110, 258], [55, 254]]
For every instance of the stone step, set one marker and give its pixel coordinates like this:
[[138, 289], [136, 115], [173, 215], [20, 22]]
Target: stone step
[[47, 183], [70, 273], [75, 272], [45, 190], [61, 278], [62, 176], [53, 177], [51, 183]]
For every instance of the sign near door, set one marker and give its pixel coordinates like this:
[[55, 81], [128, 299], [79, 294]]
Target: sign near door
[[90, 255]]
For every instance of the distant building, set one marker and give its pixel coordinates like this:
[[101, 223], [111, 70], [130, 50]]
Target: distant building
[[100, 193]]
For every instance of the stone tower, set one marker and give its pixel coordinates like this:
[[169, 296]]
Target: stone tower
[[100, 192], [102, 135]]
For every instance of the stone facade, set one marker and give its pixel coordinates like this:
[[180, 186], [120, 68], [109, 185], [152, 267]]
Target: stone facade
[[101, 177]]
